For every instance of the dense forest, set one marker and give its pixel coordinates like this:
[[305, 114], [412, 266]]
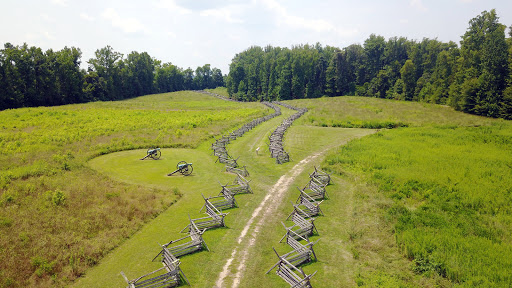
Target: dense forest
[[475, 77], [31, 77]]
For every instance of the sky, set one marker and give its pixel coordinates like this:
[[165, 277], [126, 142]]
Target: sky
[[194, 33]]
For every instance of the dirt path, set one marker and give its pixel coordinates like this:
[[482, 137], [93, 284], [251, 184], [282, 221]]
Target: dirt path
[[274, 196], [231, 276]]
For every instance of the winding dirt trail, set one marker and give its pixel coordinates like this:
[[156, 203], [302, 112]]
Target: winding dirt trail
[[274, 196]]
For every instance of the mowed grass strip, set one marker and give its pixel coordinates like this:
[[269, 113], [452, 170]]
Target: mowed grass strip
[[58, 216]]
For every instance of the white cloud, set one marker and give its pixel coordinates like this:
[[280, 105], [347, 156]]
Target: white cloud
[[48, 35], [47, 18], [317, 25], [30, 36], [234, 37], [404, 21], [60, 2], [224, 14], [418, 5], [128, 25], [87, 17], [171, 6]]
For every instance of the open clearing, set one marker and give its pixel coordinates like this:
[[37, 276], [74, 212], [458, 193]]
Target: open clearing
[[134, 256], [400, 198]]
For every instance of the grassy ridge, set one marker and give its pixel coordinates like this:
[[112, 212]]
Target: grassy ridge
[[366, 112], [450, 189], [219, 90], [57, 216]]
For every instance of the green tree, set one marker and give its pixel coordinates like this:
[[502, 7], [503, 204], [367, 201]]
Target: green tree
[[217, 78], [317, 84], [236, 74], [141, 71], [484, 57], [374, 48], [443, 76], [408, 73], [383, 82], [298, 75], [168, 78], [397, 91], [331, 77], [106, 65], [3, 83], [242, 91], [506, 106], [285, 83], [188, 79], [69, 76], [253, 87], [94, 87]]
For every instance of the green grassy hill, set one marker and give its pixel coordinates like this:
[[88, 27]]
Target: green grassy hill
[[425, 204]]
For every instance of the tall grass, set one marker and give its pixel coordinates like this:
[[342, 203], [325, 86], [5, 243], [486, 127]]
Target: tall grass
[[451, 188], [219, 90], [375, 113]]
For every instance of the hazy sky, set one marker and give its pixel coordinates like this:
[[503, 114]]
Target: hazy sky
[[194, 33]]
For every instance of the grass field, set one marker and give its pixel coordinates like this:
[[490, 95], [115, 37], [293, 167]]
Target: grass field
[[219, 90], [367, 112], [450, 192], [58, 216], [446, 184], [422, 205], [134, 256]]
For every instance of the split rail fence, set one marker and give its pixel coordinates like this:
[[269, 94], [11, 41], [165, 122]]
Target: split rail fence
[[275, 145], [297, 235]]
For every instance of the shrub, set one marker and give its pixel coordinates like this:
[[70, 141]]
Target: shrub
[[56, 198]]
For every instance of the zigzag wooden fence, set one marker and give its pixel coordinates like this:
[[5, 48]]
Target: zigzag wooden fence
[[275, 145], [297, 235], [219, 146]]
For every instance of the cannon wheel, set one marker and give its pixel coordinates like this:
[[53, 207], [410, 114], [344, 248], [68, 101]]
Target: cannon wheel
[[156, 155], [180, 163], [187, 170]]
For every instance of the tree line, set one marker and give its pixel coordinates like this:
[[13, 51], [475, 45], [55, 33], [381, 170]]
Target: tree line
[[31, 77], [475, 77]]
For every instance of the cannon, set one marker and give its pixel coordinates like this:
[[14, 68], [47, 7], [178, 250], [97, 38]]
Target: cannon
[[153, 153], [184, 168]]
